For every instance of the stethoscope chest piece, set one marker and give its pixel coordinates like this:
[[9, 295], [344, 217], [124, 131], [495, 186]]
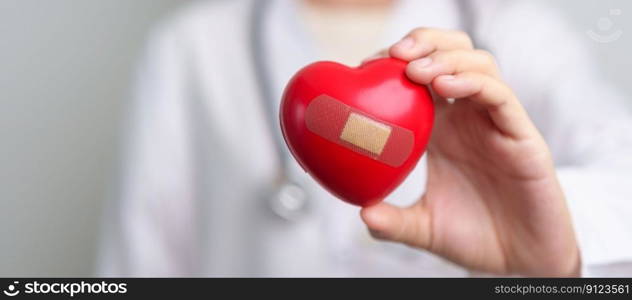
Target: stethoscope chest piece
[[289, 201]]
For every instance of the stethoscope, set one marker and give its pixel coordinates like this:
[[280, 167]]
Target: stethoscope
[[287, 198]]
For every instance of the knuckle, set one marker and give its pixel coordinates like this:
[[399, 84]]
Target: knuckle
[[451, 57], [477, 79], [486, 56], [501, 92], [420, 32], [441, 55], [464, 37]]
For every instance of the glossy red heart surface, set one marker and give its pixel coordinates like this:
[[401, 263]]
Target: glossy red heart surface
[[359, 131]]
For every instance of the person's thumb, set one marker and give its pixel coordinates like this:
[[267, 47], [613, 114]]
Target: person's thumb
[[411, 225]]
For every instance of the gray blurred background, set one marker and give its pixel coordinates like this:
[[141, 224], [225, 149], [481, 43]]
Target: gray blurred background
[[65, 72]]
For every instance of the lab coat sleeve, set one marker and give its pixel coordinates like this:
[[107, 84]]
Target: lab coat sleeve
[[149, 228], [585, 121]]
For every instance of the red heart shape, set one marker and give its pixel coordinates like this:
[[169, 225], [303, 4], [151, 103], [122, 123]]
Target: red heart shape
[[358, 131]]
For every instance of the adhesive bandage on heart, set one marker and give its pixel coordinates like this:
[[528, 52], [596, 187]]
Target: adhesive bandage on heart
[[341, 124]]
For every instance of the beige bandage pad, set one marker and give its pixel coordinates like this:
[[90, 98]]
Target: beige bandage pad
[[365, 133], [341, 124]]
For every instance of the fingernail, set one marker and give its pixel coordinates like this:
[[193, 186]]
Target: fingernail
[[405, 43], [421, 63]]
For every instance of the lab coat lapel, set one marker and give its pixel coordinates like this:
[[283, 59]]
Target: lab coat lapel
[[287, 49]]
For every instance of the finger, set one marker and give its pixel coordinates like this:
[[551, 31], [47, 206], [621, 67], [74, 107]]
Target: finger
[[423, 41], [381, 54], [502, 105], [410, 225], [424, 70]]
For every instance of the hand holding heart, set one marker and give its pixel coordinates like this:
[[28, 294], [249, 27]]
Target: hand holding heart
[[493, 202]]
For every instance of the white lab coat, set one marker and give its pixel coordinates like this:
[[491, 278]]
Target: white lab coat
[[199, 156]]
